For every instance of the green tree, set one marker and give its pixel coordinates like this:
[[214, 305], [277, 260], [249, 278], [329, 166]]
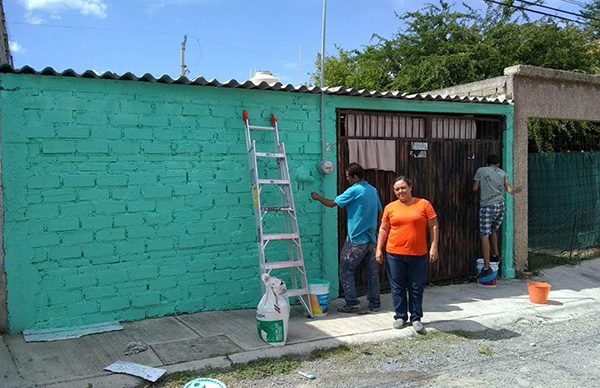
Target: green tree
[[441, 47], [563, 136], [592, 11]]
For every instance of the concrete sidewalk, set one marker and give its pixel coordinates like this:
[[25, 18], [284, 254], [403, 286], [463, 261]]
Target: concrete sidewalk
[[223, 338]]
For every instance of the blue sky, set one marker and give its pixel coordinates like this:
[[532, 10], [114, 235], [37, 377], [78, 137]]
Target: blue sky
[[226, 38]]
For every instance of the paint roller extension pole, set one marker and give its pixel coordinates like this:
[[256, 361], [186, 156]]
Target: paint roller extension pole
[[322, 85]]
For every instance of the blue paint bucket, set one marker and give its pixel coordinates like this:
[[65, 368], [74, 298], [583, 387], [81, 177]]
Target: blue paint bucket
[[489, 280]]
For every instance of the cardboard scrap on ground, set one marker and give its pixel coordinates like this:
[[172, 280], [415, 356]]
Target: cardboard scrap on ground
[[131, 368], [42, 335]]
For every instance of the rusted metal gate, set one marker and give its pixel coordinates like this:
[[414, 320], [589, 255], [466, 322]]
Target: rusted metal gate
[[441, 154]]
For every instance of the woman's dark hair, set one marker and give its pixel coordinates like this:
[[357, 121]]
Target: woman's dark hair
[[493, 159], [404, 178], [355, 169]]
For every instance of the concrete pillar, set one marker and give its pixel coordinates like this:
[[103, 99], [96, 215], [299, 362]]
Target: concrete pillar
[[520, 176]]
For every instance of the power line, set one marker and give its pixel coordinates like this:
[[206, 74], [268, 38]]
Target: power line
[[575, 2], [559, 10], [164, 33], [253, 52], [534, 11], [199, 48]]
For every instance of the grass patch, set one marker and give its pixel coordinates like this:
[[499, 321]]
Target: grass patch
[[485, 350], [341, 354], [440, 335], [470, 335], [398, 348], [236, 375], [259, 369]]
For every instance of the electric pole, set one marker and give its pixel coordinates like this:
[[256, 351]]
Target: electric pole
[[5, 56], [183, 67]]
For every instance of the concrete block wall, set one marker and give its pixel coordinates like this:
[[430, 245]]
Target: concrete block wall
[[126, 200]]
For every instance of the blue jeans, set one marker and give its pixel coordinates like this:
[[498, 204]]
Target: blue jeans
[[351, 257], [407, 274]]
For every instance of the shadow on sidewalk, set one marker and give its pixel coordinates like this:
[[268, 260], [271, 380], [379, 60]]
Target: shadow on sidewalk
[[473, 330]]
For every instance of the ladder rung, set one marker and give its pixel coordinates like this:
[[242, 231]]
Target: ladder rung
[[284, 264], [280, 236], [277, 209], [270, 155], [261, 128], [274, 181], [297, 292]]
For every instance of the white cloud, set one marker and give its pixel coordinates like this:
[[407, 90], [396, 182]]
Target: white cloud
[[15, 47], [56, 17], [33, 19], [85, 7], [155, 5]]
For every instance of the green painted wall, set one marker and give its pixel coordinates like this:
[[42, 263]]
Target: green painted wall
[[126, 200]]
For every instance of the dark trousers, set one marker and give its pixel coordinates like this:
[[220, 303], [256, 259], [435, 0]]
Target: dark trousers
[[351, 257], [407, 274]]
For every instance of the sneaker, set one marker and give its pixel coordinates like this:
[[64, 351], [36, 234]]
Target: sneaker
[[418, 327], [497, 259], [399, 323], [485, 272], [349, 309], [375, 309]]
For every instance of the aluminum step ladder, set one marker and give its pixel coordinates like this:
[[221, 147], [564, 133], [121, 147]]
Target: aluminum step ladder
[[287, 209]]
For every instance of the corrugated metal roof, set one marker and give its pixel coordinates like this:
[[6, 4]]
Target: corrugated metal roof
[[201, 81]]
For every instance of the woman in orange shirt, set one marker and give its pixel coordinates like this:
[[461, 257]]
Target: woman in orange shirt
[[404, 226]]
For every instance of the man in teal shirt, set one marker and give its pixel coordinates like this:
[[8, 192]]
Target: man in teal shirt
[[492, 180], [363, 207]]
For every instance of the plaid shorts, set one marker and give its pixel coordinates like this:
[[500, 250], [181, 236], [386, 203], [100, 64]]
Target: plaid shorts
[[491, 217]]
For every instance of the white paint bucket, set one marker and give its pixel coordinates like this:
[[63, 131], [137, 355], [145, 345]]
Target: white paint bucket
[[319, 297]]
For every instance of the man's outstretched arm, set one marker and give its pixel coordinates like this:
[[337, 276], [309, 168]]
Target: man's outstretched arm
[[510, 189], [323, 200]]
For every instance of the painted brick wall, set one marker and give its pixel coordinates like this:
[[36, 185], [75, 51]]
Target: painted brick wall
[[127, 200]]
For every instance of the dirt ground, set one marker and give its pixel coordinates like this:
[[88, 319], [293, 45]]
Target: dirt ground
[[548, 354]]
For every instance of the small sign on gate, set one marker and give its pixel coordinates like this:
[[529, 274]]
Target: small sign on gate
[[419, 146]]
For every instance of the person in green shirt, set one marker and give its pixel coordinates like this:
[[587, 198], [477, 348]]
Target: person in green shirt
[[492, 181]]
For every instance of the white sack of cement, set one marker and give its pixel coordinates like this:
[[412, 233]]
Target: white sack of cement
[[273, 312]]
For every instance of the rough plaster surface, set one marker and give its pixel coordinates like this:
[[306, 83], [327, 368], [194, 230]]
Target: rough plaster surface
[[126, 200]]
